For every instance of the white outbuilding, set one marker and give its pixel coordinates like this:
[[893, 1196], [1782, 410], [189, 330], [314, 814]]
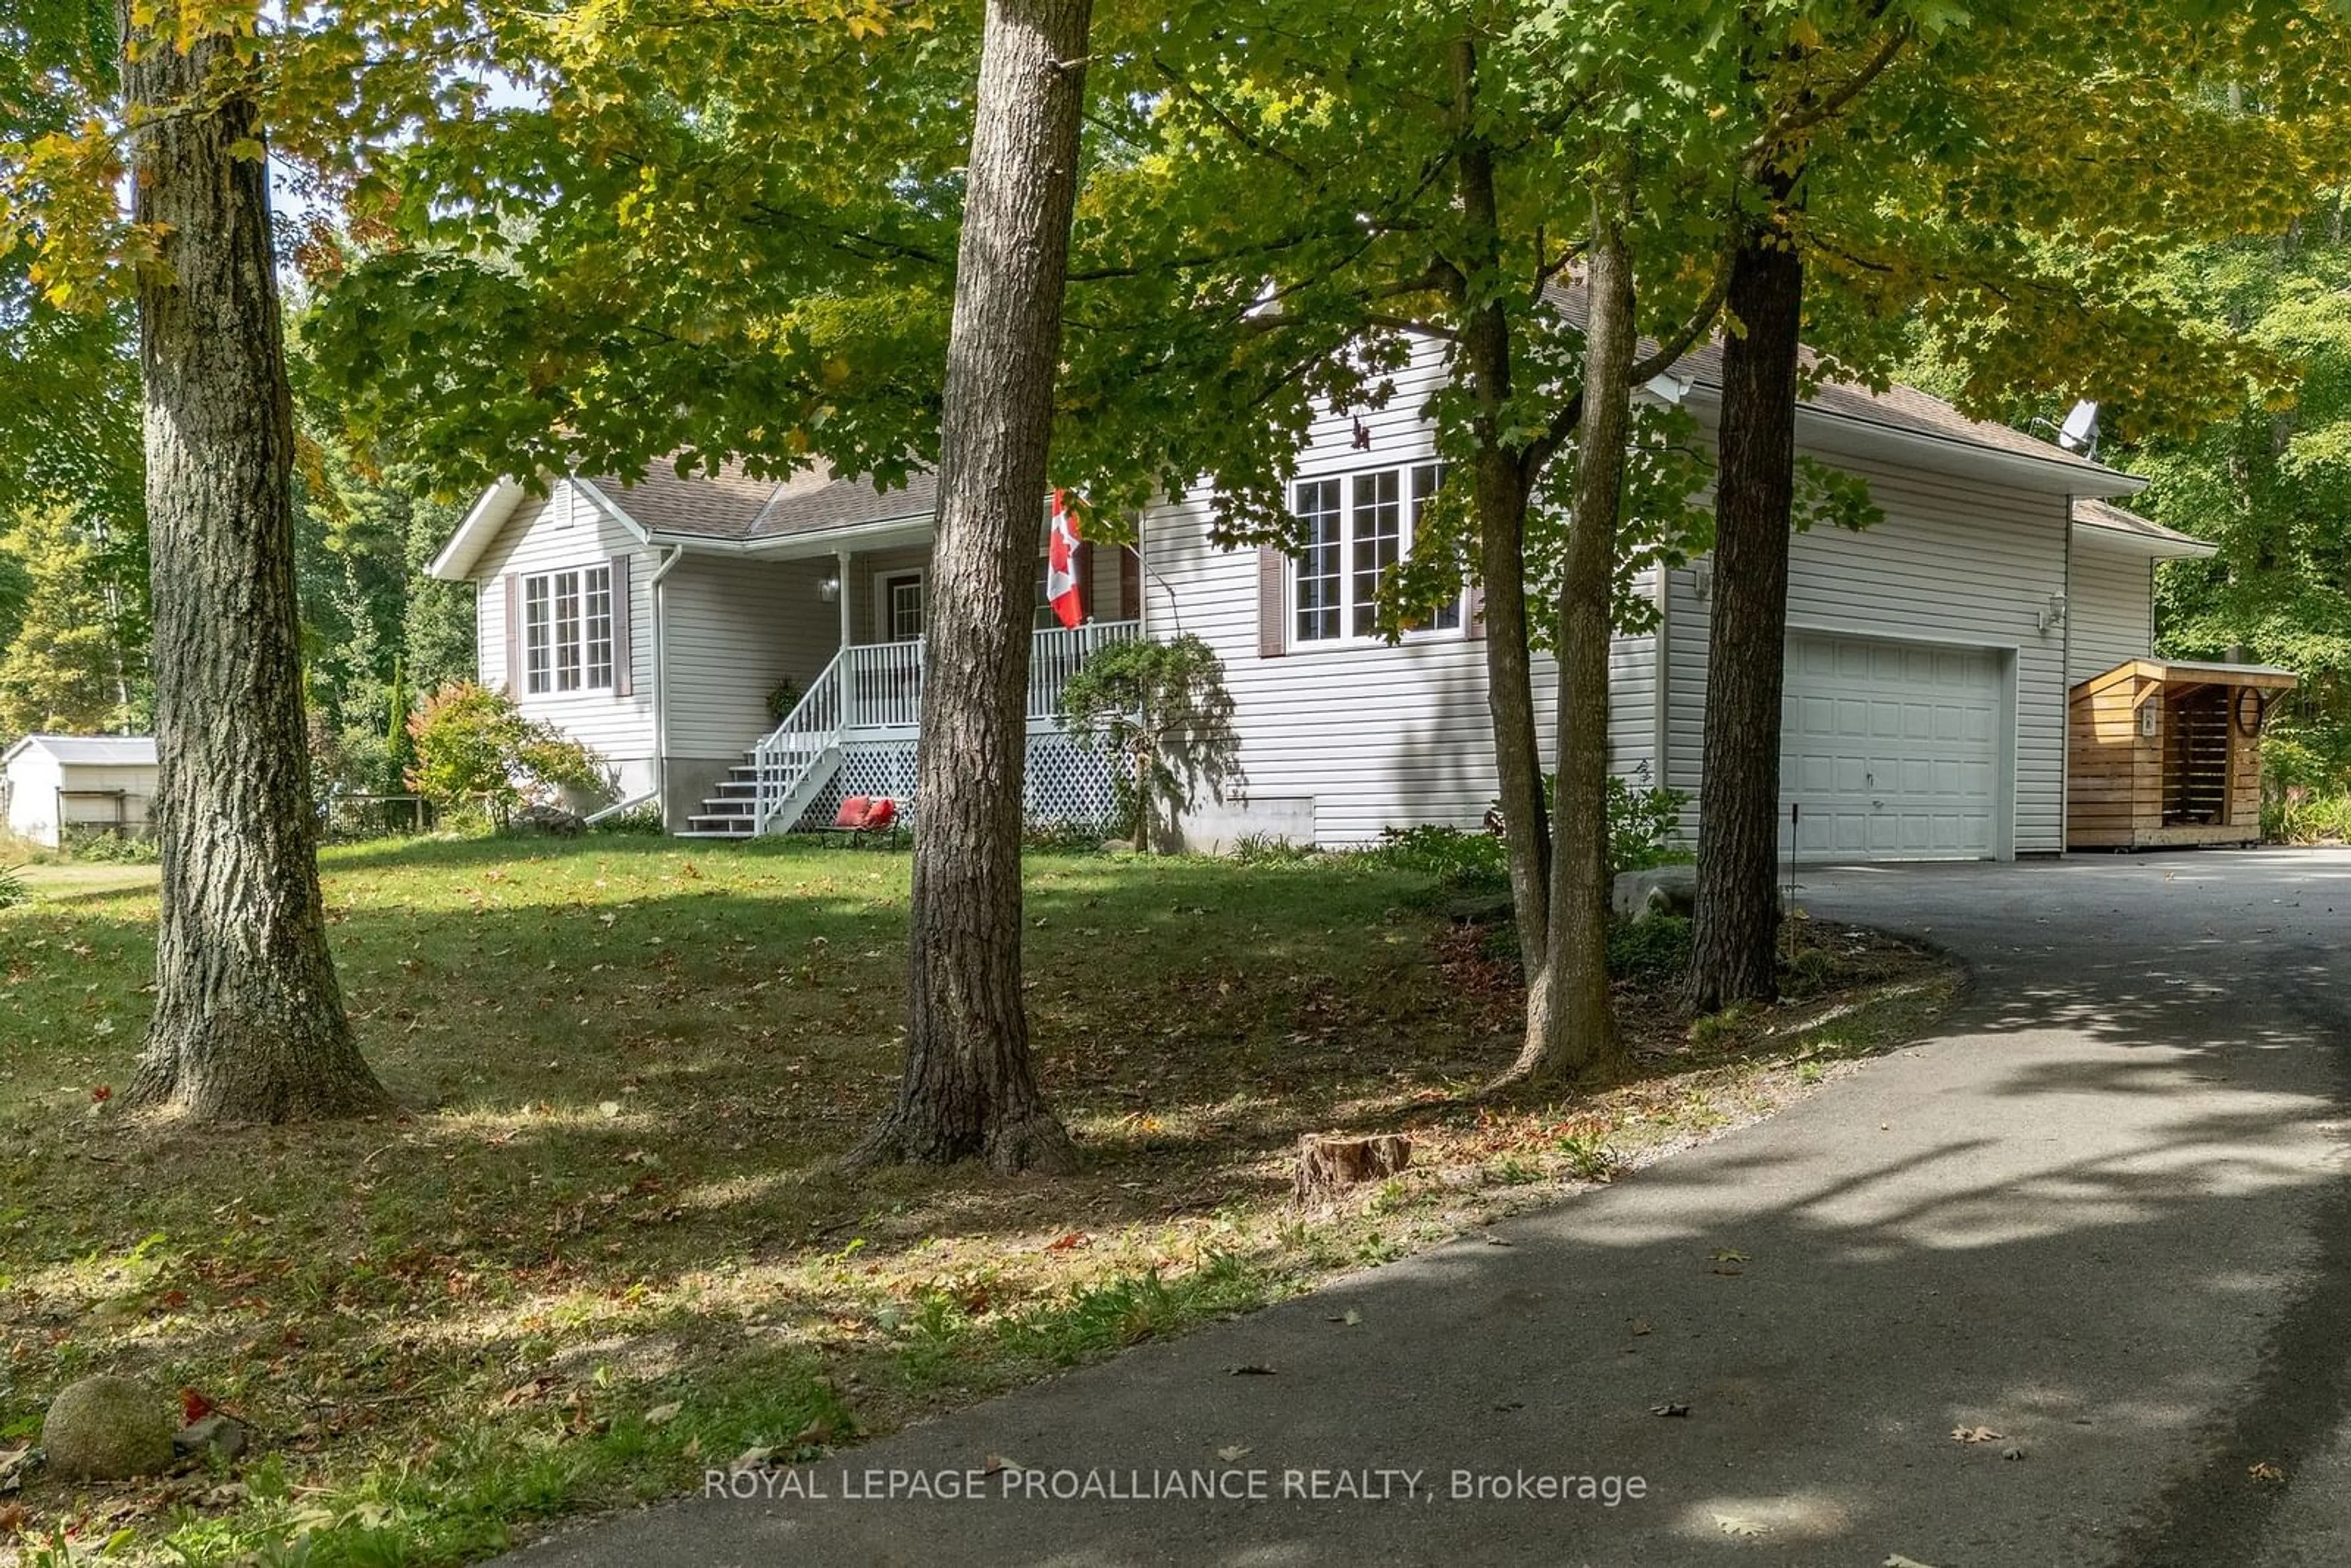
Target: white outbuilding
[[53, 785]]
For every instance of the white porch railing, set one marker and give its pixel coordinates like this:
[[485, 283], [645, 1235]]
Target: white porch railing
[[1059, 650], [795, 746], [878, 686], [881, 686]]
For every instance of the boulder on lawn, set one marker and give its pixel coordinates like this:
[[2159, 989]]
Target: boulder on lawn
[[1659, 890], [108, 1429], [1662, 890], [552, 819]]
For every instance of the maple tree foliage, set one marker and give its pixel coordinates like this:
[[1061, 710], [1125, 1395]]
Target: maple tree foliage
[[605, 237]]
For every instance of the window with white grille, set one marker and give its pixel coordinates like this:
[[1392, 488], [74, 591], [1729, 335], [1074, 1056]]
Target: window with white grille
[[1352, 532], [568, 631]]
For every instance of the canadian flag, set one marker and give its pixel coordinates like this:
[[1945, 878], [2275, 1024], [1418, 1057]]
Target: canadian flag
[[1061, 563]]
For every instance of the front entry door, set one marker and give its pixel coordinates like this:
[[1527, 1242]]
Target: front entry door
[[902, 606]]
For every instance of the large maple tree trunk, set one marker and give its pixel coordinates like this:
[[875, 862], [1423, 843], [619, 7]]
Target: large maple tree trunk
[[1579, 1019], [1735, 940], [249, 1022], [1497, 495], [969, 1089]]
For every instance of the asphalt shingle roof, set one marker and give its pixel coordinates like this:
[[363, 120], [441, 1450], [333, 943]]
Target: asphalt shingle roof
[[2107, 515], [730, 504], [101, 751]]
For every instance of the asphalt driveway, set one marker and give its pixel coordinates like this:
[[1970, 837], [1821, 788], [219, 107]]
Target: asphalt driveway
[[2105, 1214]]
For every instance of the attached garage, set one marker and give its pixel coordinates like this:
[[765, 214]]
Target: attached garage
[[1894, 751]]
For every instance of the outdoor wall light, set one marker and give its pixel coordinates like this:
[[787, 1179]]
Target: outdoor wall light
[[829, 589], [1702, 580], [2053, 617]]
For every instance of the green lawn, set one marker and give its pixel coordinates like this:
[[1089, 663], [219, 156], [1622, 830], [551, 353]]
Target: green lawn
[[606, 1244]]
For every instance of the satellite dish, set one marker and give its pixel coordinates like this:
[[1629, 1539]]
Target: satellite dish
[[2080, 430]]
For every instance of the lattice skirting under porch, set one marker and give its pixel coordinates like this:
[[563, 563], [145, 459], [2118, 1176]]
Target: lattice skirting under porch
[[1066, 783]]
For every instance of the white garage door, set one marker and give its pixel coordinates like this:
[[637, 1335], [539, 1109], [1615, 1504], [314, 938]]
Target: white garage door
[[1891, 749]]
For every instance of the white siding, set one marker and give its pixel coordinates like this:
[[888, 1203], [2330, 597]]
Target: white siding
[[1954, 562], [567, 530], [1686, 629], [1374, 736], [1632, 699], [2109, 610], [733, 629], [37, 809], [32, 798]]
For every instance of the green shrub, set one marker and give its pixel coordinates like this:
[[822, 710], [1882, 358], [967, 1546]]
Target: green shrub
[[2316, 758], [1645, 824], [784, 696], [1270, 849], [1462, 862], [1587, 1156], [1160, 712], [111, 848], [1649, 952], [644, 818], [12, 891], [474, 744], [1060, 837], [2300, 815]]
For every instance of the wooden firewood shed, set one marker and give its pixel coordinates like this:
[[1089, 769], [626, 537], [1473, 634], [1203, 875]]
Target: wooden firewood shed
[[2163, 755]]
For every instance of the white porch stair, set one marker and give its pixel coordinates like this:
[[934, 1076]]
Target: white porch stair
[[869, 693], [734, 811]]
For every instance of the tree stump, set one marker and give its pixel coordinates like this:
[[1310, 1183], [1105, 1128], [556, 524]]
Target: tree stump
[[1327, 1167]]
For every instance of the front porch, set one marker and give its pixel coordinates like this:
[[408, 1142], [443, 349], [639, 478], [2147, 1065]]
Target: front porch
[[855, 728]]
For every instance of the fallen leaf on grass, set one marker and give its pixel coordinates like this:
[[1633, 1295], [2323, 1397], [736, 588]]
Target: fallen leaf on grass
[[752, 1459], [997, 1464], [662, 1414], [2263, 1473], [193, 1406], [1974, 1435], [609, 1109], [1250, 1369], [1732, 1524], [1231, 1452], [1068, 1241], [11, 1519], [1641, 1326], [528, 1393]]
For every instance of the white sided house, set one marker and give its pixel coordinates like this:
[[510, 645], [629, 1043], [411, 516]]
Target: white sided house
[[656, 622], [1930, 657], [54, 787]]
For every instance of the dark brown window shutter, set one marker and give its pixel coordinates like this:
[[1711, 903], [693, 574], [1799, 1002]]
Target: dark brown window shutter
[[1272, 604], [1473, 615], [1130, 584], [1082, 563], [624, 648], [514, 634]]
